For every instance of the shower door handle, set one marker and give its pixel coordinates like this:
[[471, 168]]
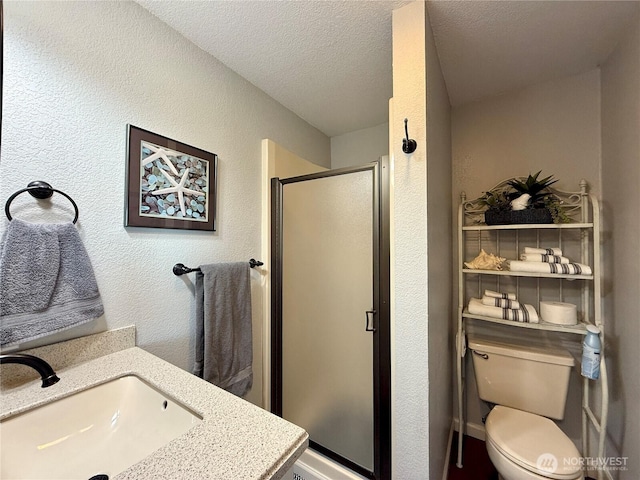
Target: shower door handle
[[368, 316]]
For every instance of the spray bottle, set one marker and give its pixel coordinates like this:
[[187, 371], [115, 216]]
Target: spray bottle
[[591, 353]]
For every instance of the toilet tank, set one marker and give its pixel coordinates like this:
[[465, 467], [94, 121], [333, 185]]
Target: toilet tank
[[532, 379]]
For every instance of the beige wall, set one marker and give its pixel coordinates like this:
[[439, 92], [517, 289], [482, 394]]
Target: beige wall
[[584, 126], [621, 199], [421, 251], [360, 147], [410, 367], [75, 73], [279, 162], [553, 127], [440, 267]]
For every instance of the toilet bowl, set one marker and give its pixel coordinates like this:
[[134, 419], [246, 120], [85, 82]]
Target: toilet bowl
[[525, 446], [528, 384]]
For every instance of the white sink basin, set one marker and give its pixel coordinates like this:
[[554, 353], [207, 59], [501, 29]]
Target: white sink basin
[[103, 430]]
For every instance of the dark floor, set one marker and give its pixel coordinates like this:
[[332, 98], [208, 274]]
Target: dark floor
[[475, 461], [476, 464]]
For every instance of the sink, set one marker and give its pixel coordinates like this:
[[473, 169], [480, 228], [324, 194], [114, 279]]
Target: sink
[[99, 431]]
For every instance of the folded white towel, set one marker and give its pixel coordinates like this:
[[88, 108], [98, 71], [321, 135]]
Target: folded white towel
[[543, 257], [526, 313], [500, 302], [547, 251], [491, 293], [543, 267]]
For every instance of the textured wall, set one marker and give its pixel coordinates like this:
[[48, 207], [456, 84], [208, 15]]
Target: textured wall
[[553, 127], [410, 368], [439, 247], [620, 180], [360, 147], [75, 74]]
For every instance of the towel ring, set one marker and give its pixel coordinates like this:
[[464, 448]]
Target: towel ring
[[40, 190]]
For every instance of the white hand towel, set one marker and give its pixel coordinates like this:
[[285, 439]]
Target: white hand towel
[[547, 251], [491, 293], [500, 302], [543, 257], [543, 267], [526, 313]]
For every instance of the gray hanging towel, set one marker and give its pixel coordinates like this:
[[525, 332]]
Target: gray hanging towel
[[224, 351], [46, 282]]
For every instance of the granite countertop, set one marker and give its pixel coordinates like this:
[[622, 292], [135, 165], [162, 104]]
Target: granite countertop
[[235, 440]]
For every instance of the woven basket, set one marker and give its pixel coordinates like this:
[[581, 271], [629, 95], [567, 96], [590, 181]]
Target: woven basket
[[529, 215]]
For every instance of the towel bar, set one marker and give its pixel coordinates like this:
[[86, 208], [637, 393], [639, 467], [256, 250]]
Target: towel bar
[[181, 269]]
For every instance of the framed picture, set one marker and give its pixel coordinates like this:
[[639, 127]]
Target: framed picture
[[169, 184]]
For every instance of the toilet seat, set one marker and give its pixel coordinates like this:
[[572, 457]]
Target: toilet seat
[[523, 438]]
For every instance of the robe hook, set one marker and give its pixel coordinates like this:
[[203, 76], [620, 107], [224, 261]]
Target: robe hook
[[409, 145]]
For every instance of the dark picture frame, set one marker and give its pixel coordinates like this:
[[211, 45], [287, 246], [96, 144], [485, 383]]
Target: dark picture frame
[[175, 188]]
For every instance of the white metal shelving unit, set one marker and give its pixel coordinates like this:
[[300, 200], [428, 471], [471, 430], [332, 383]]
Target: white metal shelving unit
[[584, 233]]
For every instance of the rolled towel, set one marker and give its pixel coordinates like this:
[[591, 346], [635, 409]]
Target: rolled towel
[[560, 313], [491, 293], [547, 251], [525, 314], [543, 267], [543, 257], [500, 302]]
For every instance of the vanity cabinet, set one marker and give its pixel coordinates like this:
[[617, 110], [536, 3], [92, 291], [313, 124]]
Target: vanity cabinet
[[579, 240]]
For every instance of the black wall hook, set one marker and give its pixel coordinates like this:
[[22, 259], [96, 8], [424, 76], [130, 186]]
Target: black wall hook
[[408, 144]]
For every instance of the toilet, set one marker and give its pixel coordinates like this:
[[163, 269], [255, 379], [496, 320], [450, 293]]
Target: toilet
[[528, 386]]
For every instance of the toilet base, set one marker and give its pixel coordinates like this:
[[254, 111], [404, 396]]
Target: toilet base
[[500, 477], [507, 470]]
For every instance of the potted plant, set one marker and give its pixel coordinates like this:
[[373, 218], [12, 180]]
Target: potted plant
[[498, 203], [520, 200], [534, 210], [556, 207]]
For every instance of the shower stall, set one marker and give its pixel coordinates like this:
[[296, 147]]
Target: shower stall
[[330, 313]]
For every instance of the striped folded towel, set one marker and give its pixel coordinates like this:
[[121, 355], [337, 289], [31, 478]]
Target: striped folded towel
[[491, 293], [546, 251], [543, 267], [525, 314], [500, 302], [543, 257]]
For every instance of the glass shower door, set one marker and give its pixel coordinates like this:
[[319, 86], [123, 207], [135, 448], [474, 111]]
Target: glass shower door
[[327, 245]]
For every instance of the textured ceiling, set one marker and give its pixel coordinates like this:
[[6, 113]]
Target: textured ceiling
[[329, 61], [490, 47]]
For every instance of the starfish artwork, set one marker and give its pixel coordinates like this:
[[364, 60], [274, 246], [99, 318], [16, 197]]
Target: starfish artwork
[[159, 152], [178, 188], [171, 184]]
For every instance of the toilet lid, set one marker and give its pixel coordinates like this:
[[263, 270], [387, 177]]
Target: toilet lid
[[533, 442]]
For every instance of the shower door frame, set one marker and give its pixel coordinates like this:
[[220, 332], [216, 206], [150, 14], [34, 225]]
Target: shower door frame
[[381, 319]]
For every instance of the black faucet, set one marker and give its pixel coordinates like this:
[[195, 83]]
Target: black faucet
[[49, 377]]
